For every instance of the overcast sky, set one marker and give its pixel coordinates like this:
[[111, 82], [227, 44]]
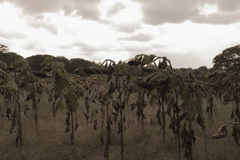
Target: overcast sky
[[188, 32]]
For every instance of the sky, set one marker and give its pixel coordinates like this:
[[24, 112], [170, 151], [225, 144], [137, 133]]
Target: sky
[[190, 33]]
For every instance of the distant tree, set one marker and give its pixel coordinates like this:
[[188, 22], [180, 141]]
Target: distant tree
[[36, 60], [7, 56], [70, 65], [95, 63], [186, 72], [204, 69], [4, 48], [228, 60], [77, 62], [65, 61]]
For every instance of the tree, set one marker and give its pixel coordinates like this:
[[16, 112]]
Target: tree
[[77, 62], [4, 48], [228, 60], [204, 69], [8, 57], [67, 63], [36, 60]]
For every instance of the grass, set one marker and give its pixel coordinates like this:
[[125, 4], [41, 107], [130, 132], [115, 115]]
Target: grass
[[55, 145]]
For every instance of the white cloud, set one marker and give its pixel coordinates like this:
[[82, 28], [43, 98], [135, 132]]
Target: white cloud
[[74, 13], [207, 9], [120, 29], [126, 18]]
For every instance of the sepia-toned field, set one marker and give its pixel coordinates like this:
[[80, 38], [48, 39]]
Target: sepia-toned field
[[54, 144]]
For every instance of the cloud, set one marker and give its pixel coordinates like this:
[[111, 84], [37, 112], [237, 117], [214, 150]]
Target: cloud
[[161, 11], [117, 7], [40, 23], [157, 12], [154, 12], [11, 34], [86, 9], [31, 45], [227, 6], [128, 27], [123, 16], [87, 48], [218, 18], [138, 37], [175, 29]]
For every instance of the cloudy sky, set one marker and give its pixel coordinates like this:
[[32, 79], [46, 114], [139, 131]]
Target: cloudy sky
[[188, 32]]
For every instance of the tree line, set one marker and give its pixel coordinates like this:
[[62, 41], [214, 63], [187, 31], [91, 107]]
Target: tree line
[[36, 60], [228, 60]]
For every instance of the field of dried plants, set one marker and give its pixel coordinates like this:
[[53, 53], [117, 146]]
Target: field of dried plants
[[49, 114], [55, 145]]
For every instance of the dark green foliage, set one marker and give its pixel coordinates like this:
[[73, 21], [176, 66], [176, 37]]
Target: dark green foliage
[[228, 59], [36, 60], [3, 48], [8, 57], [204, 69], [70, 65]]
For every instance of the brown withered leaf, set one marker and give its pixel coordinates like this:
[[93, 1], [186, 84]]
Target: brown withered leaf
[[222, 132], [134, 63], [182, 116], [176, 108], [68, 120], [147, 70], [30, 96], [40, 74], [237, 113], [17, 141], [133, 106], [169, 110], [102, 140], [76, 126], [95, 124], [144, 84], [12, 125], [67, 129], [200, 120], [50, 98], [89, 71], [172, 124], [120, 74], [111, 88], [232, 115], [235, 133], [9, 113]]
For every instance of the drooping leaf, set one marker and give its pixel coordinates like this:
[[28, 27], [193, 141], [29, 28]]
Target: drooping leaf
[[61, 84], [191, 108], [59, 105], [3, 65], [160, 78], [227, 97], [71, 101], [147, 59], [200, 120]]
